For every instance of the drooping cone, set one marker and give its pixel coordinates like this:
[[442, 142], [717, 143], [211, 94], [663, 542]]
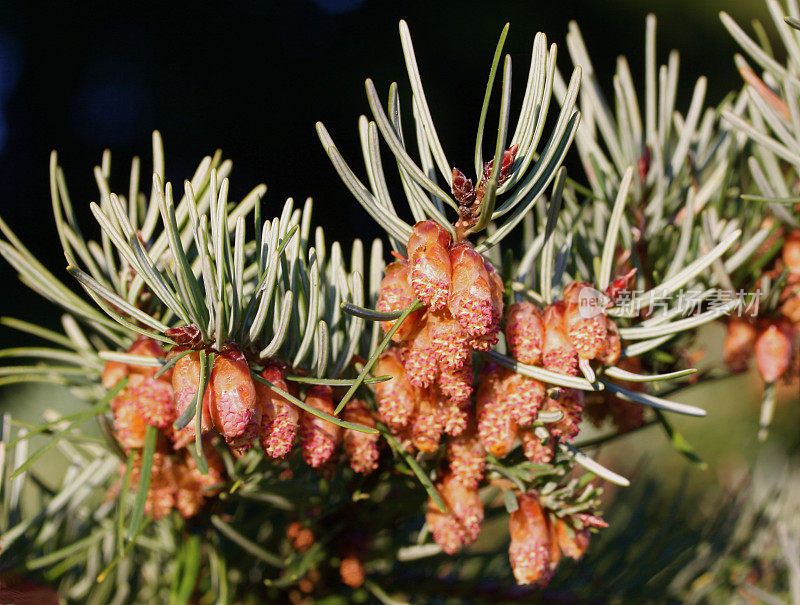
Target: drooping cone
[[361, 448], [461, 524], [739, 345], [395, 295], [584, 319], [396, 397], [185, 384], [429, 263], [279, 418], [558, 353], [232, 394], [533, 552], [525, 332], [496, 426], [470, 300], [319, 437], [774, 350]]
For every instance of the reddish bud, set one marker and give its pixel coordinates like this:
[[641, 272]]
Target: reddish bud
[[525, 332], [318, 437], [462, 188], [185, 336], [429, 263], [619, 285], [509, 155], [644, 163]]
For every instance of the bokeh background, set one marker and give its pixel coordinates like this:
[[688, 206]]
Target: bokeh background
[[252, 78]]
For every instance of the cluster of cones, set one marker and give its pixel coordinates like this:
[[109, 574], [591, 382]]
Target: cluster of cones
[[242, 411], [430, 395], [774, 340]]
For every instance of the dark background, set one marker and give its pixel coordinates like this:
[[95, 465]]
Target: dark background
[[252, 78]]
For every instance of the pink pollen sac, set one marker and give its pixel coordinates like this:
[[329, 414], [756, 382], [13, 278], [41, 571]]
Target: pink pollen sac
[[525, 332], [496, 427], [538, 451], [461, 524], [279, 417], [456, 385], [396, 397], [154, 401], [471, 296], [232, 398], [395, 295], [318, 437], [420, 360], [428, 424], [467, 459], [448, 340], [361, 448], [429, 263], [525, 397], [532, 546], [558, 353]]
